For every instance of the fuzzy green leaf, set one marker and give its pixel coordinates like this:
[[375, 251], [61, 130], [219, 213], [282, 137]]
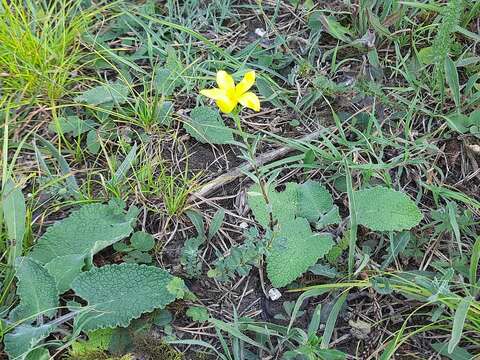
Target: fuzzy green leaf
[[37, 291], [294, 249], [71, 125], [283, 205], [142, 241], [313, 200], [207, 126], [85, 232], [103, 94], [383, 209], [64, 269], [119, 293], [24, 339]]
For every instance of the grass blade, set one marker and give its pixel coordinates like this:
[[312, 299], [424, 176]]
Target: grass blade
[[459, 322], [14, 214], [124, 166], [332, 319], [474, 267], [451, 76], [72, 184]]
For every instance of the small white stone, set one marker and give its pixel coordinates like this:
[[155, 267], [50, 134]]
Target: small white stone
[[274, 294], [243, 225], [260, 32]]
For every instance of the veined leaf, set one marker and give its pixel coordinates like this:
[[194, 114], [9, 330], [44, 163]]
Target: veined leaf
[[313, 200], [85, 232], [37, 291], [282, 205], [25, 338], [102, 94], [64, 269], [206, 125], [117, 294], [294, 249], [383, 209]]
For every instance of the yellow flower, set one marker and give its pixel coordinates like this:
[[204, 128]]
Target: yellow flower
[[227, 95]]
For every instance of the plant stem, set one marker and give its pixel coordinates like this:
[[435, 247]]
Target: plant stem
[[251, 159]]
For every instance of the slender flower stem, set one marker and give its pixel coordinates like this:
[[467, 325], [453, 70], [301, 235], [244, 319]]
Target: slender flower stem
[[251, 157]]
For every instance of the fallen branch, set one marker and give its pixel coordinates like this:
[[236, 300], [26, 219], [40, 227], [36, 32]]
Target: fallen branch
[[235, 173]]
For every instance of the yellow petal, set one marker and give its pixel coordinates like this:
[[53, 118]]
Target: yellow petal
[[215, 94], [250, 100], [225, 81], [226, 105], [246, 83]]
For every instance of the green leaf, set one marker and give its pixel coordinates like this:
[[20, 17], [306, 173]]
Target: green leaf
[[85, 232], [426, 56], [324, 270], [313, 200], [164, 81], [142, 241], [332, 319], [72, 184], [294, 249], [458, 122], [97, 340], [397, 244], [103, 94], [206, 125], [119, 293], [72, 125], [459, 322], [197, 221], [451, 76], [330, 218], [14, 213], [165, 113], [124, 166], [334, 28], [176, 287], [457, 354], [475, 258], [139, 257], [383, 209], [162, 317], [198, 313], [24, 339], [64, 269], [38, 354], [216, 223], [37, 291], [283, 205], [93, 142]]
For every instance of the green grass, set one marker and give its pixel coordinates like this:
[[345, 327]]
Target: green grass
[[40, 47]]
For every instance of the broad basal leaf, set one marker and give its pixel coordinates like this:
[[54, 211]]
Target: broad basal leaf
[[37, 291], [116, 93], [294, 249], [313, 200], [283, 205], [64, 269], [72, 125], [116, 294], [85, 231], [383, 209], [24, 339], [206, 125]]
